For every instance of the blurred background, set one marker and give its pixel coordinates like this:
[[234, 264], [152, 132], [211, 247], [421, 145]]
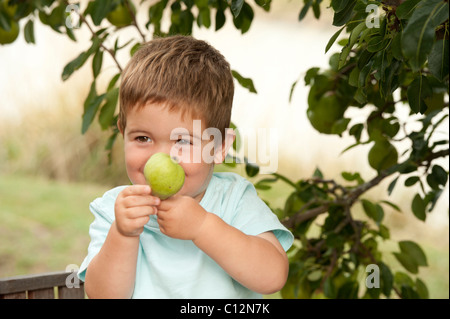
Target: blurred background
[[50, 172]]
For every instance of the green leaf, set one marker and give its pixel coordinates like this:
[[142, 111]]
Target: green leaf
[[387, 279], [373, 211], [315, 275], [238, 140], [437, 177], [97, 63], [265, 4], [405, 9], [113, 81], [236, 6], [29, 32], [204, 17], [134, 48], [343, 57], [91, 105], [244, 82], [408, 292], [352, 177], [155, 14], [244, 20], [422, 289], [377, 43], [100, 9], [329, 288], [5, 21], [310, 75], [417, 92], [349, 290], [438, 59], [407, 262], [418, 36], [403, 279], [106, 115], [305, 9], [410, 181], [220, 19], [316, 8], [432, 198], [80, 60], [353, 77], [251, 169], [341, 17], [74, 65], [338, 5], [392, 186], [292, 90], [340, 126], [414, 251], [384, 232], [418, 207], [355, 33], [391, 204], [317, 173]]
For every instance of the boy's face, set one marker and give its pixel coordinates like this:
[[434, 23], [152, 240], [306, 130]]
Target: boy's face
[[152, 129]]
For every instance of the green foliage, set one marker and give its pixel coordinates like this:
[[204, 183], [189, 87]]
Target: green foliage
[[392, 53], [405, 56]]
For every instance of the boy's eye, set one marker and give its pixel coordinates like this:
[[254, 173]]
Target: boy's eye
[[183, 141], [143, 139]]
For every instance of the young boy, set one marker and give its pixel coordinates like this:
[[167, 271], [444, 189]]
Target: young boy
[[215, 238]]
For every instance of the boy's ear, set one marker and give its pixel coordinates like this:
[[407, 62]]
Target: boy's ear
[[230, 136], [119, 127]]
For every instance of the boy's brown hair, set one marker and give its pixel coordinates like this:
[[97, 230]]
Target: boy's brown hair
[[184, 73]]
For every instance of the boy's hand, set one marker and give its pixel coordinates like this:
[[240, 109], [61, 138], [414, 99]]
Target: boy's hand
[[133, 208], [181, 217]]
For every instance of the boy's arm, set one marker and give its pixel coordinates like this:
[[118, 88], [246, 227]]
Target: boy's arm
[[112, 272], [257, 262]]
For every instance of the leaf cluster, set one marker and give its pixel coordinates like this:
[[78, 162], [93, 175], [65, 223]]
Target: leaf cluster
[[393, 53]]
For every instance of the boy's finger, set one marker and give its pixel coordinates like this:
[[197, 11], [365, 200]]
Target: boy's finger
[[141, 200], [142, 211], [164, 205], [137, 190]]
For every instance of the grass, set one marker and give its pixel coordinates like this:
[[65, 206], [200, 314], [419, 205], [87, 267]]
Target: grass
[[44, 224]]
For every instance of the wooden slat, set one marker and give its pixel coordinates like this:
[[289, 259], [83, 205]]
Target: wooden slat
[[32, 282], [71, 293], [15, 295], [46, 293]]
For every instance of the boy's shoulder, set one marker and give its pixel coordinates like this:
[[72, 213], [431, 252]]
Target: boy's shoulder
[[227, 180], [104, 205], [226, 187]]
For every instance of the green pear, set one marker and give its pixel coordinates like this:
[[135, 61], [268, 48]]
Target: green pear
[[164, 175]]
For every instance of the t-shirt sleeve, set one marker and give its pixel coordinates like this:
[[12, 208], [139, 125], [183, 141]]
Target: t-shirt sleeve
[[98, 231], [254, 217]]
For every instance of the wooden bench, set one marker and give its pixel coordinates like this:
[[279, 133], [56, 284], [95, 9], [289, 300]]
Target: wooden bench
[[42, 286]]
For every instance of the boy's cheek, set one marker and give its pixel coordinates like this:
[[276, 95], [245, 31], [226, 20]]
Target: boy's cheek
[[189, 155]]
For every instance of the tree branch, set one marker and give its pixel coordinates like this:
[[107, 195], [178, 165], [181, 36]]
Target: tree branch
[[111, 52], [349, 197], [133, 15]]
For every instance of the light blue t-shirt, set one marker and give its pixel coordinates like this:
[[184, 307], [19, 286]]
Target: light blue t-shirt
[[174, 268]]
